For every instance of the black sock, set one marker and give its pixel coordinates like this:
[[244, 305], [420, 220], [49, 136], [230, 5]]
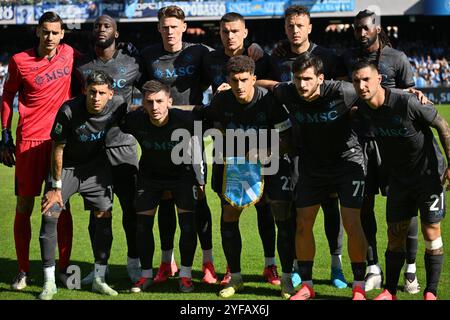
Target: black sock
[[369, 225], [433, 267], [102, 240], [333, 225], [305, 268], [91, 229], [188, 237], [285, 245], [129, 221], [411, 241], [359, 270], [203, 224], [145, 240], [47, 240], [232, 244], [266, 228], [394, 264], [167, 223]]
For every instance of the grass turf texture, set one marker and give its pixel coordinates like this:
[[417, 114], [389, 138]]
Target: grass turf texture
[[252, 255]]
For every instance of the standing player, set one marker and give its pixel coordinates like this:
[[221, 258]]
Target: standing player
[[78, 166], [178, 64], [233, 33], [297, 26], [42, 77], [247, 106], [331, 160], [120, 147], [417, 171], [396, 72], [153, 126]]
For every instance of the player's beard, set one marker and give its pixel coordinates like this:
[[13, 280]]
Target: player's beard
[[369, 43], [106, 43]]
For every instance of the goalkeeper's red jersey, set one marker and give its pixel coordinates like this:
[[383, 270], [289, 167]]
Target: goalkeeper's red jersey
[[43, 86]]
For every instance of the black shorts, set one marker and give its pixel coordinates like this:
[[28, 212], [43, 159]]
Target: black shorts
[[124, 181], [150, 191], [377, 176], [94, 184], [426, 196], [279, 187], [347, 180]]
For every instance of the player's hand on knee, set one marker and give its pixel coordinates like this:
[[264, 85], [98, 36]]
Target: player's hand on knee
[[255, 51], [51, 198]]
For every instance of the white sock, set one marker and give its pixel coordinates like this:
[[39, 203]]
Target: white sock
[[308, 282], [49, 274], [269, 261], [410, 268], [167, 256], [132, 262], [208, 256], [99, 270], [147, 273], [362, 284], [374, 268], [185, 272], [336, 261]]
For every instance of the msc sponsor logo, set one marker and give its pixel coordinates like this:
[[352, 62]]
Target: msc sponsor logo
[[390, 132], [174, 73], [52, 76], [91, 137], [159, 145], [319, 117]]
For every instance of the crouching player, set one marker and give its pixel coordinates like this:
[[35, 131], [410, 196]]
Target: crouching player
[[78, 166]]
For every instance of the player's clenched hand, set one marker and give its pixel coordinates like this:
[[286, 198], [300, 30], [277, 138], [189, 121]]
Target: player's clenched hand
[[51, 198], [255, 52], [446, 178], [419, 94], [281, 49], [223, 87], [7, 148]]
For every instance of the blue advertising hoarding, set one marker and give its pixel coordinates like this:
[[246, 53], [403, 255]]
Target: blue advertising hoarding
[[143, 9], [437, 7]]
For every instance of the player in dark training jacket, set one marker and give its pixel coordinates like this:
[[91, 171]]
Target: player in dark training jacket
[[120, 147], [374, 46], [416, 171], [79, 165], [153, 125], [233, 33], [330, 160]]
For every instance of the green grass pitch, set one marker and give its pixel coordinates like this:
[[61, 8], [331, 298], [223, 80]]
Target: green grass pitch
[[252, 255]]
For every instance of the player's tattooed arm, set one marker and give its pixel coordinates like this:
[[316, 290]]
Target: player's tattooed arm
[[57, 160], [441, 125], [54, 196]]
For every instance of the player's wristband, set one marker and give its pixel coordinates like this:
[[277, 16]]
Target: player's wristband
[[56, 184]]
